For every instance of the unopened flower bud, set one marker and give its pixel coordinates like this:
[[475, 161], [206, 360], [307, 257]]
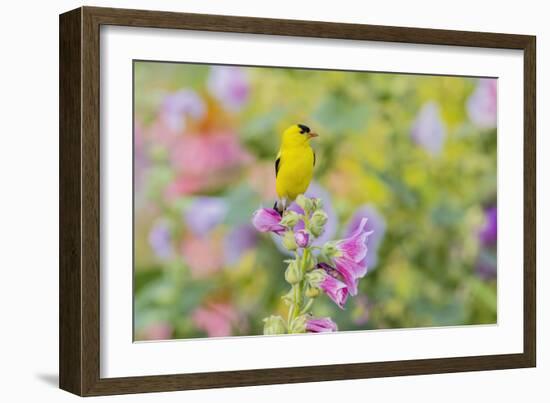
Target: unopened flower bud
[[329, 250], [274, 325], [305, 203], [293, 274], [317, 222], [302, 238], [288, 241], [308, 261], [290, 219], [298, 325], [317, 204], [316, 277], [312, 292]]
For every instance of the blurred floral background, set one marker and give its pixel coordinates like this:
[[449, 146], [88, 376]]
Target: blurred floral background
[[414, 154]]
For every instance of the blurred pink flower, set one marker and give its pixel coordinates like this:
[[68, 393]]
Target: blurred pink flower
[[230, 86], [205, 162], [320, 325], [216, 320], [482, 104], [204, 256], [428, 130], [158, 331]]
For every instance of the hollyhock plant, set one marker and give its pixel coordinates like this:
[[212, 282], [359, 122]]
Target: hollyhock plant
[[428, 129], [333, 269]]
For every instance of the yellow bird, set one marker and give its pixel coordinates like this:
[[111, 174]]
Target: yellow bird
[[294, 165]]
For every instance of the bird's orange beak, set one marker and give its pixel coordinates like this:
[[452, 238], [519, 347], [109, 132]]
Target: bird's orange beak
[[311, 135]]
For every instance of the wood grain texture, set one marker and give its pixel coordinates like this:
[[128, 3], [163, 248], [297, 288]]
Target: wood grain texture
[[80, 200], [70, 271]]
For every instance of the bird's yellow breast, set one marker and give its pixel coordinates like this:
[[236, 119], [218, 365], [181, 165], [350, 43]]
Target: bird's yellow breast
[[295, 171]]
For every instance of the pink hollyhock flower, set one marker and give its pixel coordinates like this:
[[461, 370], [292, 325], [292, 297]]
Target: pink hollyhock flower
[[216, 320], [349, 255], [428, 129], [334, 288], [376, 224], [268, 220], [302, 238], [320, 325], [482, 104]]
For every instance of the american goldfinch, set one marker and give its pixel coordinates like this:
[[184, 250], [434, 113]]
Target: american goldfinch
[[294, 165]]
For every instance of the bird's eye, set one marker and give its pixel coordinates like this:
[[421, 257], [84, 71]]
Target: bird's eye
[[304, 129]]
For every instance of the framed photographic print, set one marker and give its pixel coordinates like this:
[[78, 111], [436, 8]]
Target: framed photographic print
[[249, 201]]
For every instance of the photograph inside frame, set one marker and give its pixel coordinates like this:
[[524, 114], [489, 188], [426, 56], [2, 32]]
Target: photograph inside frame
[[274, 200]]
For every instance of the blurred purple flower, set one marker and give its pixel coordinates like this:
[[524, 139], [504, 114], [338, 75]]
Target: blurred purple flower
[[204, 214], [239, 240], [160, 240], [320, 325], [482, 104], [229, 85], [375, 224], [267, 220], [428, 129], [177, 106], [488, 234]]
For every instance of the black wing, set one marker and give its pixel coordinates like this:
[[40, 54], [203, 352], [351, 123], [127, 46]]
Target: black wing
[[277, 164], [314, 158]]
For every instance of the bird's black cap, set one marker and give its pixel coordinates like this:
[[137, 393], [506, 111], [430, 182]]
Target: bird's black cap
[[304, 129]]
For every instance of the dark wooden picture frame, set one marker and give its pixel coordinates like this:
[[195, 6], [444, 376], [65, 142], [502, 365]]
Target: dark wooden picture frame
[[79, 349]]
